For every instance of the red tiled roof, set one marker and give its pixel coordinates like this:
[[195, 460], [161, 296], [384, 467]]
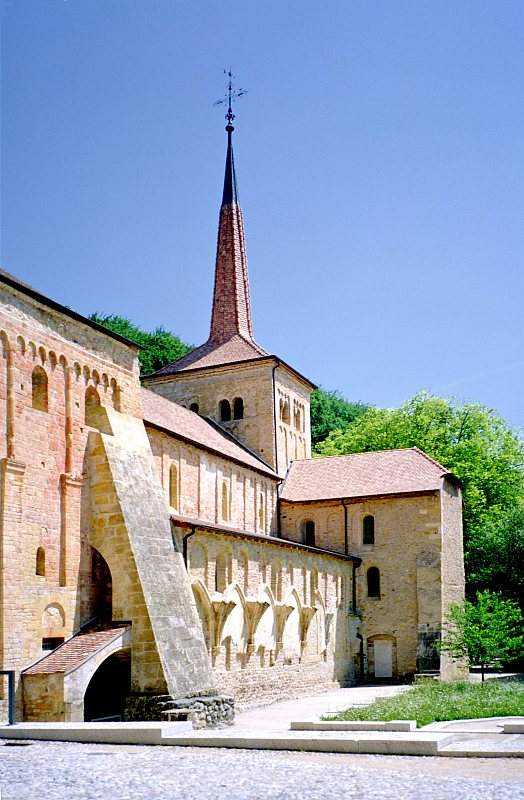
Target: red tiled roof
[[363, 475], [213, 354], [76, 651], [181, 422]]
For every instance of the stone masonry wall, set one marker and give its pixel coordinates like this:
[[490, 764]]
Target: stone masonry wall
[[252, 382], [131, 530], [201, 476], [42, 454], [276, 619], [452, 565], [292, 412], [407, 553]]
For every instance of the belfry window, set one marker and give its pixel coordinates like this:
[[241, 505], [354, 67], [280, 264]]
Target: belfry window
[[238, 408], [368, 530], [39, 392], [309, 533], [373, 579], [225, 411]]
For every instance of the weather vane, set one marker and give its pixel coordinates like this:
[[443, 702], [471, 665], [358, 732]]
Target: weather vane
[[230, 96]]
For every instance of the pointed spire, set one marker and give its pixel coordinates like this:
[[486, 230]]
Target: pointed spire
[[229, 195], [231, 313]]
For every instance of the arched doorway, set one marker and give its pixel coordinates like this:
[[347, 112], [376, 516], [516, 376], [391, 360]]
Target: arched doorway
[[108, 688], [101, 588]]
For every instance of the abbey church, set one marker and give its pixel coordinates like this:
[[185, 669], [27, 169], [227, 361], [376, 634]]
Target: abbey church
[[175, 539]]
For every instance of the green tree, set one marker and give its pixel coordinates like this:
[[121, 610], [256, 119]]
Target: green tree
[[159, 347], [496, 555], [470, 440], [330, 411], [484, 632]]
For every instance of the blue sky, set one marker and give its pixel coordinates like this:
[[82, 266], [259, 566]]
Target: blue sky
[[380, 160]]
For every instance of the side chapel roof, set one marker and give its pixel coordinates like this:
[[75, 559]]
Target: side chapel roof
[[382, 473]]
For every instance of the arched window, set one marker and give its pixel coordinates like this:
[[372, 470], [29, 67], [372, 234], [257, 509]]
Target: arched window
[[309, 532], [261, 512], [225, 502], [285, 412], [373, 577], [194, 407], [368, 530], [39, 389], [225, 411], [92, 407], [40, 561], [238, 408], [173, 486], [220, 573]]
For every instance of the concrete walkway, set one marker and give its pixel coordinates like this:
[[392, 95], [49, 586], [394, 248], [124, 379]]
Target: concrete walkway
[[279, 715], [269, 728]]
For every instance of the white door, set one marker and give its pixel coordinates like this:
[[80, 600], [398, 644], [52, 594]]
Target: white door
[[383, 658]]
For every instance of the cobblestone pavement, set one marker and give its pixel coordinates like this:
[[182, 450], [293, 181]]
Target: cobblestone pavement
[[63, 771]]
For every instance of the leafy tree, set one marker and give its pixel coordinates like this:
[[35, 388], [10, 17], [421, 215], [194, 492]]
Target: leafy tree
[[330, 411], [484, 632], [496, 555], [471, 441], [159, 347]]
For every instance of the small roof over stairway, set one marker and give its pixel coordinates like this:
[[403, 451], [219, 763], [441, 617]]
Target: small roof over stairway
[[78, 649]]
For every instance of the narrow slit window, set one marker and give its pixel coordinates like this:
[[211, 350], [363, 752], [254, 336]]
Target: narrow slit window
[[309, 533], [368, 530], [40, 562], [39, 389], [373, 579]]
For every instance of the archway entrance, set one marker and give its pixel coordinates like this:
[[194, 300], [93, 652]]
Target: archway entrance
[[101, 588], [108, 688]]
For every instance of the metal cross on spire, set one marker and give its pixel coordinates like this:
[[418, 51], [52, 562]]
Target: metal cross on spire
[[230, 96]]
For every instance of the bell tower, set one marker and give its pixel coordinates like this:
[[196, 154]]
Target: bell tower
[[230, 378]]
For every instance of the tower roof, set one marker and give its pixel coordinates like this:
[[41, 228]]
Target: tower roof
[[231, 331]]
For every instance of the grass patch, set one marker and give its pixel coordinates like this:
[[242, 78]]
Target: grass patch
[[432, 701]]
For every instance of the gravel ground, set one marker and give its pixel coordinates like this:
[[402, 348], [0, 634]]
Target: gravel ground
[[63, 771]]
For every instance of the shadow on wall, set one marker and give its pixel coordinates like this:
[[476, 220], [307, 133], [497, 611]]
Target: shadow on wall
[[107, 690]]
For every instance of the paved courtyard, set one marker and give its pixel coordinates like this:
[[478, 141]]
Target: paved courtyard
[[63, 771]]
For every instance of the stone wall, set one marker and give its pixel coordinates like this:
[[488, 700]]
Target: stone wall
[[42, 447], [452, 565], [408, 542], [251, 497], [251, 382], [277, 619], [130, 526], [270, 393], [292, 412]]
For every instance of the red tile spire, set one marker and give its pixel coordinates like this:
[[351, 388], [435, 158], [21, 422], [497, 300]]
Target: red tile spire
[[231, 315]]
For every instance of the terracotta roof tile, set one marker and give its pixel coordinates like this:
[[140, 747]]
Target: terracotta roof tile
[[213, 354], [75, 651], [363, 475], [184, 423]]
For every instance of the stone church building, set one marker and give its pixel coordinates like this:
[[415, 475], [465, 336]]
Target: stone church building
[[177, 536]]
